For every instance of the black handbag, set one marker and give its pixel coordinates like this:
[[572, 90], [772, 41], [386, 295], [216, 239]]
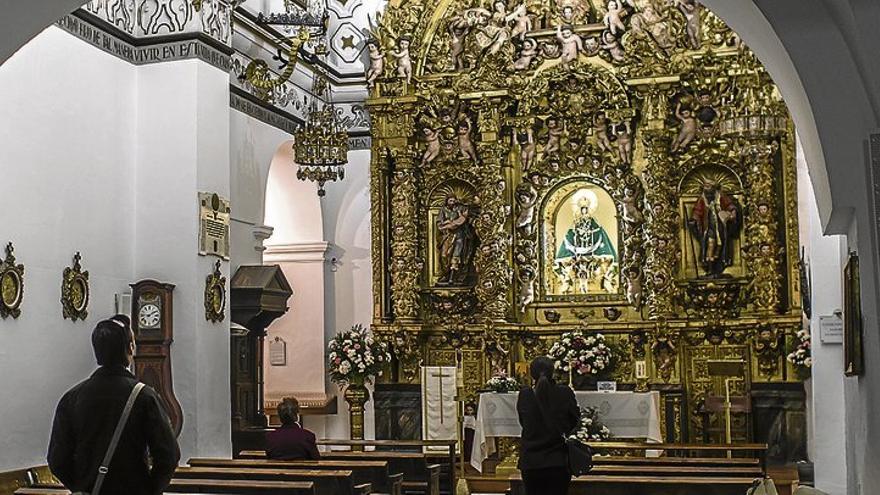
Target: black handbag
[[580, 455]]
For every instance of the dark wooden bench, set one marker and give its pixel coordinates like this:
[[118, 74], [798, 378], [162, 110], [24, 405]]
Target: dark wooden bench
[[683, 450], [374, 472], [592, 484], [327, 482], [418, 475], [677, 461], [213, 486], [241, 487], [436, 452]]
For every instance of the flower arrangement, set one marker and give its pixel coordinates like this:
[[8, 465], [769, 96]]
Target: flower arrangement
[[591, 429], [802, 356], [584, 355], [502, 383], [355, 357]]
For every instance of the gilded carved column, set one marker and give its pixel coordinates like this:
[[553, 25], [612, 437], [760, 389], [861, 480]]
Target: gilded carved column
[[492, 258], [762, 250], [406, 261], [662, 227]]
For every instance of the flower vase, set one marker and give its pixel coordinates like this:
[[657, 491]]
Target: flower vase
[[356, 394]]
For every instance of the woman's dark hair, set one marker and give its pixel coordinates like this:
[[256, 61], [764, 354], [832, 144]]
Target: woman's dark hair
[[110, 340], [288, 411], [541, 370]]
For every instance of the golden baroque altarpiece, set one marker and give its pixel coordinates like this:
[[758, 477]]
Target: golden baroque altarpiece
[[625, 168]]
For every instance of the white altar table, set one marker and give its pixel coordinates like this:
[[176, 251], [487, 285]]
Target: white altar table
[[626, 414]]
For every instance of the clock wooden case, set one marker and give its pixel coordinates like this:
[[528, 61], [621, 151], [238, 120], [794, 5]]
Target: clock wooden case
[[152, 315]]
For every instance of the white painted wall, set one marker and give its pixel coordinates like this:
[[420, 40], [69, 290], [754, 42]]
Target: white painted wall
[[103, 157], [66, 162], [826, 419], [182, 148], [348, 290], [252, 145]]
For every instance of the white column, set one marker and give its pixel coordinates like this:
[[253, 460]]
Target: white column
[[302, 327], [182, 137], [825, 392]]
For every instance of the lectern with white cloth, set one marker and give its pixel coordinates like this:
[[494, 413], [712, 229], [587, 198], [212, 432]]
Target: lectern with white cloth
[[627, 414], [439, 408]]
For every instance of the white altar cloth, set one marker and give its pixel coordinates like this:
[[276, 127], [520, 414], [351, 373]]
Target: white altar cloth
[[626, 414]]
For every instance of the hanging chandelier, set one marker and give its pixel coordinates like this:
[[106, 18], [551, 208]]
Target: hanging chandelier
[[320, 147]]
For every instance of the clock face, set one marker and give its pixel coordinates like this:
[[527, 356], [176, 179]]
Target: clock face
[[149, 316]]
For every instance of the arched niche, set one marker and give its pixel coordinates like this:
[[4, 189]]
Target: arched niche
[[293, 207], [452, 239], [581, 244], [692, 189]]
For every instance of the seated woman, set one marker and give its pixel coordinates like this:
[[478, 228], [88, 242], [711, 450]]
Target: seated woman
[[291, 442]]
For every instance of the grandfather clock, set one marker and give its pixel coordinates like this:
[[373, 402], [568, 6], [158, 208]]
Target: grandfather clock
[[153, 324]]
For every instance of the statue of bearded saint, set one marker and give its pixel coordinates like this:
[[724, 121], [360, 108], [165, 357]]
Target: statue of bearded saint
[[457, 244], [715, 223], [586, 259]]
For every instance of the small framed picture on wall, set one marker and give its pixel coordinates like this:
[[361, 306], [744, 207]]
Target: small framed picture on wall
[[852, 318]]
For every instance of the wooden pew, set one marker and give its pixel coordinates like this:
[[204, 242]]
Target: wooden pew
[[213, 486], [327, 482], [436, 452], [241, 487], [681, 450], [374, 472], [418, 475], [647, 485], [677, 461]]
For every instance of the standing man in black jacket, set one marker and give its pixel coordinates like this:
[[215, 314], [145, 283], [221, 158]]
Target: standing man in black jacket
[[147, 453], [547, 411]]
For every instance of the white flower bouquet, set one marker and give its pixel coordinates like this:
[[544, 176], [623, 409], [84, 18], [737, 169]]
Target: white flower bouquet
[[591, 429], [581, 354], [802, 356], [502, 383], [355, 357]]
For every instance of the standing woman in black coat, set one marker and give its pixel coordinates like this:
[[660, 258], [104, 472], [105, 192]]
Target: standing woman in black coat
[[546, 412]]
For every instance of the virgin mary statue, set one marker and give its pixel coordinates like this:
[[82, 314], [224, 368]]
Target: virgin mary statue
[[586, 259], [586, 237]]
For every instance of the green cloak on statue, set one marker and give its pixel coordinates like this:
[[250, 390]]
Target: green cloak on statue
[[586, 238]]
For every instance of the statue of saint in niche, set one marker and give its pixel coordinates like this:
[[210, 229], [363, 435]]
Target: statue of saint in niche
[[586, 258], [457, 244], [715, 223]]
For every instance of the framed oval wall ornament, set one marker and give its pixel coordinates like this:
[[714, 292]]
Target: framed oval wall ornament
[[11, 285], [75, 291], [215, 295]]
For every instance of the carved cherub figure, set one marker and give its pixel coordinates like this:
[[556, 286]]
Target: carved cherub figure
[[526, 197], [458, 28], [613, 20], [555, 131], [527, 147], [570, 44], [688, 128], [692, 13], [631, 213], [567, 15], [600, 130], [526, 55], [624, 142], [432, 137], [404, 61], [612, 44], [591, 46], [464, 138], [377, 62], [526, 287], [522, 23]]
